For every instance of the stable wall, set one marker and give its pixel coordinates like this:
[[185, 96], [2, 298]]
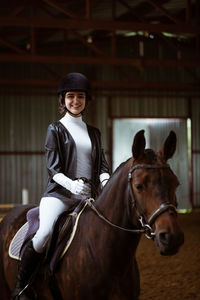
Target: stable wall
[[25, 115]]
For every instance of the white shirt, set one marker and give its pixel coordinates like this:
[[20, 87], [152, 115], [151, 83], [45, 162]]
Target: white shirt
[[78, 130]]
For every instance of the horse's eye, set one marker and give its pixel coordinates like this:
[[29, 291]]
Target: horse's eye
[[139, 187]]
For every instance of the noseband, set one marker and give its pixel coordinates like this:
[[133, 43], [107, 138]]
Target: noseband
[[158, 211]]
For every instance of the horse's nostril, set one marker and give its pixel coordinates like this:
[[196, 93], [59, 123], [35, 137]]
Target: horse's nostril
[[164, 237], [169, 239]]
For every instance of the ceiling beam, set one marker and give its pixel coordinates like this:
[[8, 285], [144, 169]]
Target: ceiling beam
[[120, 85], [89, 45], [106, 85], [78, 23], [88, 10], [60, 8], [163, 10], [108, 60], [11, 46], [188, 11], [17, 10], [136, 16]]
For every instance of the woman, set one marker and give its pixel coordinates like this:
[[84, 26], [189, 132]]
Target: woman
[[73, 150]]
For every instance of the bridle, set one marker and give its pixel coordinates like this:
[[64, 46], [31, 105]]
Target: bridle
[[165, 206], [146, 225]]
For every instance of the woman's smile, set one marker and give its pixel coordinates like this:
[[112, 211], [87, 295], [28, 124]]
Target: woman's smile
[[75, 102]]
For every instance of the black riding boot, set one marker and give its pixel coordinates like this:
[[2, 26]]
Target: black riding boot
[[29, 263]]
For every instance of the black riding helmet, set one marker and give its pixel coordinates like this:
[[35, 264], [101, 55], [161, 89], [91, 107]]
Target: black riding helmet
[[72, 82]]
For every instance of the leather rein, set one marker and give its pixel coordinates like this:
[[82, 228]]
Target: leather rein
[[146, 225]]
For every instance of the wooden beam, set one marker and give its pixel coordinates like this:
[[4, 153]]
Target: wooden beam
[[32, 32], [12, 47], [163, 10], [69, 60], [131, 10], [87, 44], [17, 10], [108, 60], [49, 70], [106, 85], [88, 9], [188, 11], [113, 44], [60, 8], [50, 22], [114, 9], [120, 85]]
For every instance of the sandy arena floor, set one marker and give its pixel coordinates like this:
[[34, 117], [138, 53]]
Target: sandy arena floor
[[176, 277]]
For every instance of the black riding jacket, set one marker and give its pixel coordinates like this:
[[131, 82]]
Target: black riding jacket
[[61, 157]]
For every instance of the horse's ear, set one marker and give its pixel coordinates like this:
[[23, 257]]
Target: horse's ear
[[169, 147], [139, 144]]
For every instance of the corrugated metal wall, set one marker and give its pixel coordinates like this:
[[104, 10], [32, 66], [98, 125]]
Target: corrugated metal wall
[[23, 124], [24, 120], [196, 150]]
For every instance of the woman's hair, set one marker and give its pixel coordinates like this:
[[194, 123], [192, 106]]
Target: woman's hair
[[61, 104]]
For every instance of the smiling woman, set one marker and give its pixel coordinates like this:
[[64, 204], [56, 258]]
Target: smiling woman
[[75, 161]]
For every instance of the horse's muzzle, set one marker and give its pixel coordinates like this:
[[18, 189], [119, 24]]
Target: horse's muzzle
[[168, 243]]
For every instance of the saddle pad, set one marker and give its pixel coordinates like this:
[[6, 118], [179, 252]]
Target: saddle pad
[[17, 241], [64, 246]]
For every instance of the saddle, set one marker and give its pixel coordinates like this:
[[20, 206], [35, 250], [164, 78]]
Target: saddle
[[63, 233]]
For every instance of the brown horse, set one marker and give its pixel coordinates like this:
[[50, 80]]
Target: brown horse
[[100, 263]]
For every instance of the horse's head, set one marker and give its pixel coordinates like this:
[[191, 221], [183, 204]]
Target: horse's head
[[153, 192]]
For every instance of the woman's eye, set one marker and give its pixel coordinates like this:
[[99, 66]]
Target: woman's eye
[[139, 187]]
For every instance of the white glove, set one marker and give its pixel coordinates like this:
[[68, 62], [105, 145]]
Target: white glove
[[103, 183], [104, 178], [77, 187]]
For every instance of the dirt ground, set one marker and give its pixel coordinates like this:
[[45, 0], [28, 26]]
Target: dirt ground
[[175, 277]]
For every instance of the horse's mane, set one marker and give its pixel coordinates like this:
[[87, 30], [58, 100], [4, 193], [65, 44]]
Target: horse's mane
[[118, 170], [149, 154], [150, 158]]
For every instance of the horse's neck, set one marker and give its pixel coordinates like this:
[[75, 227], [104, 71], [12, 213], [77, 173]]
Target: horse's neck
[[112, 201], [112, 204]]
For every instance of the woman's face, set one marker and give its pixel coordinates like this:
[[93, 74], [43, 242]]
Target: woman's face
[[75, 102]]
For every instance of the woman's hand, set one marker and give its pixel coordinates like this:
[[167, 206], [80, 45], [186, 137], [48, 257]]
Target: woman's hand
[[78, 187]]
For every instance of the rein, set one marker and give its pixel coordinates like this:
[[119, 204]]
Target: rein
[[146, 226], [89, 202]]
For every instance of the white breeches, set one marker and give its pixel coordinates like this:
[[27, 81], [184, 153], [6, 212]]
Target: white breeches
[[49, 210]]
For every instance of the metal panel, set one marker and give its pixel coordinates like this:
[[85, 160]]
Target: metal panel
[[24, 121], [149, 106], [196, 150]]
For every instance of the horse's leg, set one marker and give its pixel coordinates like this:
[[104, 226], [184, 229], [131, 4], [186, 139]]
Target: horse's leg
[[8, 227], [127, 286], [4, 290], [9, 266]]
